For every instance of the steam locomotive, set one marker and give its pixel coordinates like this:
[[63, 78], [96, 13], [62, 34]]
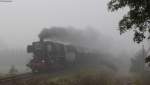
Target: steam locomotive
[[52, 56], [49, 55]]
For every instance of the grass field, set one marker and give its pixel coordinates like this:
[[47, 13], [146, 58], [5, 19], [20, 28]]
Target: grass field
[[89, 77]]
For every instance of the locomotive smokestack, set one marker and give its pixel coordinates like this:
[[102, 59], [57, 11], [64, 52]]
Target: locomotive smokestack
[[44, 34], [41, 39]]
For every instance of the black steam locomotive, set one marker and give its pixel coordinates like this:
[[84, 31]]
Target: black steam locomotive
[[53, 56]]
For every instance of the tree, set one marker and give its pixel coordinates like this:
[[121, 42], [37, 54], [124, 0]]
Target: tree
[[13, 70], [136, 19], [137, 62]]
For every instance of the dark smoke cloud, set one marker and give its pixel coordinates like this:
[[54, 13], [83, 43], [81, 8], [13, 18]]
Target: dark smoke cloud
[[89, 38]]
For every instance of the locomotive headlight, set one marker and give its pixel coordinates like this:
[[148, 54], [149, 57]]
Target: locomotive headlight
[[43, 61]]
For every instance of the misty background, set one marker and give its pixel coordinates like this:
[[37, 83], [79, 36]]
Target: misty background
[[21, 21]]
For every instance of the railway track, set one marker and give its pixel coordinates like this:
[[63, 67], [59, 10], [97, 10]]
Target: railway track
[[26, 77], [11, 80]]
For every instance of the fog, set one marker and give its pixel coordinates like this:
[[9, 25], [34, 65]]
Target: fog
[[23, 20]]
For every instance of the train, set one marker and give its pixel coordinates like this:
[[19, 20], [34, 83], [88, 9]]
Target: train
[[51, 56]]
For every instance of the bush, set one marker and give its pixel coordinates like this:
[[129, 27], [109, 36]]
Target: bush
[[87, 78]]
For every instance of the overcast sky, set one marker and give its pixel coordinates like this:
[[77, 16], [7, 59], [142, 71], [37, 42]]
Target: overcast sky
[[22, 20]]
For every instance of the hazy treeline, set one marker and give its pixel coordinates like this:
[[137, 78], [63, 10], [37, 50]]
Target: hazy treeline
[[17, 57]]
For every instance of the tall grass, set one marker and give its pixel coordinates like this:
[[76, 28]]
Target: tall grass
[[84, 78], [87, 77]]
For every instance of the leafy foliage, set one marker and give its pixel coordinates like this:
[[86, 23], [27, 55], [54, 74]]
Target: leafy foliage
[[137, 18]]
